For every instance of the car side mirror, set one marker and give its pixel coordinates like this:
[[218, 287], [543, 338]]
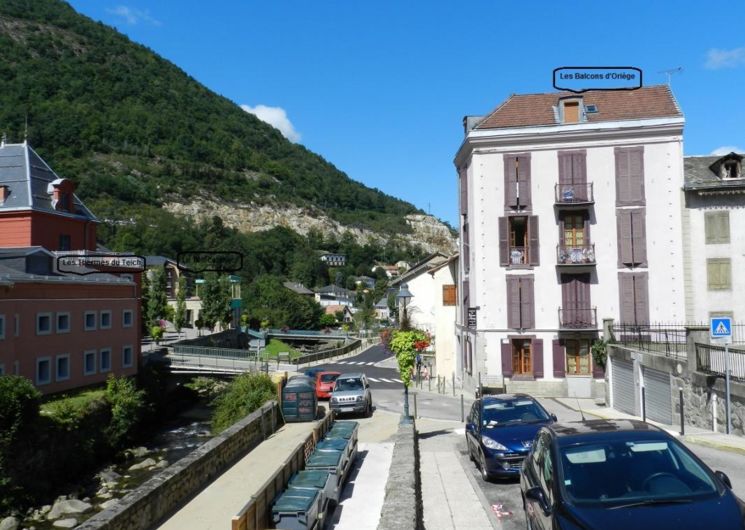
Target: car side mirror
[[724, 478], [553, 417], [470, 427], [536, 494]]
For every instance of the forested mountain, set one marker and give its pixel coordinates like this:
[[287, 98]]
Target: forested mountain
[[138, 134]]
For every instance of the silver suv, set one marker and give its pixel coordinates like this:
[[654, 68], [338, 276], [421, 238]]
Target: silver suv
[[351, 395]]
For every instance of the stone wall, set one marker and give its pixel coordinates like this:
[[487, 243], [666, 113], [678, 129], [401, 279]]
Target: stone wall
[[165, 492], [699, 392], [402, 506]]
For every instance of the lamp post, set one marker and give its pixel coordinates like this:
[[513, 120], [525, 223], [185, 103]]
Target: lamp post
[[403, 296]]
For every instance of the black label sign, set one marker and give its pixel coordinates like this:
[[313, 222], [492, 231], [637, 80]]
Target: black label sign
[[472, 317]]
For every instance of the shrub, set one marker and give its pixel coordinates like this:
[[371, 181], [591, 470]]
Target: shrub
[[406, 345], [244, 395], [128, 407]]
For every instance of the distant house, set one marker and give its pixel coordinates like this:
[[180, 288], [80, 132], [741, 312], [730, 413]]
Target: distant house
[[403, 265], [335, 295], [298, 288], [345, 309], [365, 281], [391, 271], [334, 260], [382, 311]]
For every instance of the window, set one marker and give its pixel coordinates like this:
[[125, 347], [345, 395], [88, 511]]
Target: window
[[43, 371], [105, 319], [573, 230], [127, 360], [2, 327], [632, 237], [520, 304], [63, 367], [573, 176], [576, 308], [128, 277], [64, 242], [127, 318], [89, 318], [571, 111], [518, 241], [448, 295], [63, 322], [634, 302], [629, 176], [89, 362], [716, 227], [43, 323], [105, 362], [517, 181], [731, 169], [719, 274], [577, 356]]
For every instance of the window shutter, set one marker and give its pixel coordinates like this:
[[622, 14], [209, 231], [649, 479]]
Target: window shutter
[[579, 175], [534, 248], [625, 252], [527, 305], [537, 351], [567, 299], [622, 176], [510, 182], [507, 359], [565, 170], [466, 246], [710, 228], [513, 302], [641, 297], [636, 173], [584, 304], [559, 359], [448, 295], [523, 178], [504, 242], [639, 241], [626, 295], [463, 192], [464, 307]]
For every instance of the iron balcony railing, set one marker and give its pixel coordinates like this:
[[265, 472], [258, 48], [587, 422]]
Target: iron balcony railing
[[578, 318], [567, 194], [518, 256], [575, 254]]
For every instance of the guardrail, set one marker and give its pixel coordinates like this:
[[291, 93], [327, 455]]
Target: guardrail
[[318, 356], [663, 339]]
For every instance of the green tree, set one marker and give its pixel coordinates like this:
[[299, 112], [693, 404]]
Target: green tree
[[327, 320], [128, 406], [179, 318], [145, 321], [158, 300], [215, 300]]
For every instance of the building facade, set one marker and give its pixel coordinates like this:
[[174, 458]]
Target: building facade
[[570, 213]]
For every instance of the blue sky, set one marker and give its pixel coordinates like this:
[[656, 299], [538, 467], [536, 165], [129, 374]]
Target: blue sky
[[380, 88]]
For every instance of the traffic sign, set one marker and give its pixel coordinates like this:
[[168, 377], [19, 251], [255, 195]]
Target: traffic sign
[[721, 328]]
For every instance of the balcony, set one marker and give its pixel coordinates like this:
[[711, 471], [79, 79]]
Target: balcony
[[518, 256], [573, 195], [574, 255], [575, 318]]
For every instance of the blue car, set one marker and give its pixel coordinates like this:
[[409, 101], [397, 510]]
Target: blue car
[[500, 431]]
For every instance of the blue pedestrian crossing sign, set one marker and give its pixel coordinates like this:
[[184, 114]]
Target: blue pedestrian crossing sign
[[721, 328]]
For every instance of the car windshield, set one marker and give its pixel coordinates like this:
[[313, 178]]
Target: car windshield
[[499, 413], [656, 470], [347, 384], [328, 378]]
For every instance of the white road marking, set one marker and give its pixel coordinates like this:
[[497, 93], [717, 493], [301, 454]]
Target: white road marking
[[373, 380]]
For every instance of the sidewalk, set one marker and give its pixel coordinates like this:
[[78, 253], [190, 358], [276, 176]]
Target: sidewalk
[[696, 435]]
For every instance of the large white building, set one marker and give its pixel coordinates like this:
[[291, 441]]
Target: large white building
[[570, 210]]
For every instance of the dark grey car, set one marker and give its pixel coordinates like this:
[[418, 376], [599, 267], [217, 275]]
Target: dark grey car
[[351, 395]]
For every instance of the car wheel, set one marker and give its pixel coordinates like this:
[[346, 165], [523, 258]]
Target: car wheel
[[484, 473], [369, 411]]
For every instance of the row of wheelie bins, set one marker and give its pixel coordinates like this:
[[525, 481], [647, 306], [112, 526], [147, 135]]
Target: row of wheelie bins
[[311, 492]]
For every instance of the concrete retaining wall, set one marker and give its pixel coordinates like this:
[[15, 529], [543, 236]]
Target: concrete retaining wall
[[402, 506], [165, 492], [704, 402]]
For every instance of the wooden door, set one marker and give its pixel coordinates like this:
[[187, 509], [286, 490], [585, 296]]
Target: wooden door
[[522, 360]]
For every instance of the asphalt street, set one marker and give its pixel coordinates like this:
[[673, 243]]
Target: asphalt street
[[379, 377]]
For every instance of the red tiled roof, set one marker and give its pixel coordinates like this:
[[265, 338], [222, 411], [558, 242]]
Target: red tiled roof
[[522, 110]]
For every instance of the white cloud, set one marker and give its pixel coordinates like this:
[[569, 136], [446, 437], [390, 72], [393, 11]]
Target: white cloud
[[727, 149], [133, 16], [277, 118], [716, 59]]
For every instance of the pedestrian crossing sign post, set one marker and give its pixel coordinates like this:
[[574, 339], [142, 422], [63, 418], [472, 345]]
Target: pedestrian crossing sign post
[[720, 329]]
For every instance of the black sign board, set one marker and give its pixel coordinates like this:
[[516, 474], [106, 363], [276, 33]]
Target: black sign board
[[472, 317]]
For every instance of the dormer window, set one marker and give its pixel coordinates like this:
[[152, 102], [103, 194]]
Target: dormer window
[[571, 110], [731, 169], [4, 194], [61, 191]]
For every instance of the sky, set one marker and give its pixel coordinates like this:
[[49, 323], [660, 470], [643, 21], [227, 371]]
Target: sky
[[380, 89]]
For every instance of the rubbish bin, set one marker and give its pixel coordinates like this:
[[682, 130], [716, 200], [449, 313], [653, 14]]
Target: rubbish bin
[[297, 509], [347, 447], [333, 463], [318, 479], [299, 401]]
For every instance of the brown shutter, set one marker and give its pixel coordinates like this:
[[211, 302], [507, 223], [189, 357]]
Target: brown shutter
[[639, 237], [584, 304], [463, 192], [559, 359], [507, 359], [562, 242], [579, 175], [510, 182], [448, 295], [622, 176], [504, 242], [464, 295], [568, 300], [641, 298], [636, 173], [565, 170], [536, 348], [626, 298], [625, 253], [513, 302], [466, 246], [534, 248], [527, 305], [523, 178]]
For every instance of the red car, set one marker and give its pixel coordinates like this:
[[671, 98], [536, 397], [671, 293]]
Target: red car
[[325, 384]]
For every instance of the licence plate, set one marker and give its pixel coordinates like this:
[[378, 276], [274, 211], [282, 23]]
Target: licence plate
[[347, 409]]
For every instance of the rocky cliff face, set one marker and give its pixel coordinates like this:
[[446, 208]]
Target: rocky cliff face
[[427, 232]]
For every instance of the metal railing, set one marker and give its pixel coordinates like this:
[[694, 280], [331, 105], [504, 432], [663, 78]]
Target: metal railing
[[518, 255], [710, 359], [574, 193], [578, 318], [575, 254], [318, 356], [667, 339]]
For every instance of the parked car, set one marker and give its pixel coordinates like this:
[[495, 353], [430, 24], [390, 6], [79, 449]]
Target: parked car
[[325, 384], [312, 372], [622, 474], [351, 395], [500, 430]]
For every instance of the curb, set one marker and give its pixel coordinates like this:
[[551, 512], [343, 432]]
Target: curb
[[714, 444]]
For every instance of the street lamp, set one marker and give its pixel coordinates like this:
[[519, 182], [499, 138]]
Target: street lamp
[[403, 296]]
